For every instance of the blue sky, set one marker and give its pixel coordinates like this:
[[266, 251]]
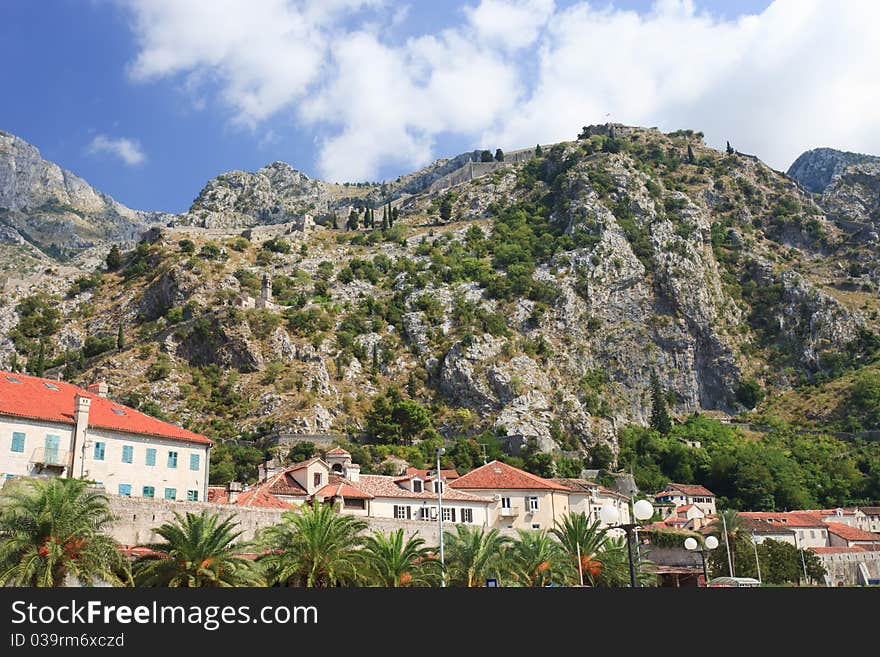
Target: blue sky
[[148, 99]]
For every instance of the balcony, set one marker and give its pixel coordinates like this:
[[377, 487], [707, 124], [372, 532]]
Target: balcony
[[508, 512], [49, 458]]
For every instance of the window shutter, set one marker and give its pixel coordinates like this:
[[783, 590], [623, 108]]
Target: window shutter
[[452, 514], [395, 510], [408, 511]]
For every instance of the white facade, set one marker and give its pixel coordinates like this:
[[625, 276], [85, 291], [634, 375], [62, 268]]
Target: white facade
[[179, 470], [454, 511]]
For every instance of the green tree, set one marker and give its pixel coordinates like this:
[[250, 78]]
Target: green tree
[[536, 461], [301, 451], [539, 152], [659, 415], [601, 456], [198, 551], [446, 209], [120, 338], [114, 258], [536, 559], [187, 246], [335, 223], [730, 150], [313, 547], [486, 156], [474, 554], [394, 420], [392, 562], [733, 522], [352, 223], [579, 536], [51, 530], [690, 157], [37, 365], [499, 155]]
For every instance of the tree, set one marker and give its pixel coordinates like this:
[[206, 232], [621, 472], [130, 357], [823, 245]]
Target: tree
[[120, 338], [187, 246], [730, 150], [733, 522], [394, 420], [535, 559], [314, 546], [352, 223], [601, 456], [335, 221], [445, 209], [536, 461], [395, 214], [198, 551], [579, 536], [52, 530], [38, 366], [486, 156], [539, 152], [691, 158], [392, 562], [499, 155], [659, 415], [301, 451], [474, 554], [114, 258]]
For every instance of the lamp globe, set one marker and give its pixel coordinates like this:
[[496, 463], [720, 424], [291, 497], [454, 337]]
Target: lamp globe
[[711, 542], [690, 543], [643, 510]]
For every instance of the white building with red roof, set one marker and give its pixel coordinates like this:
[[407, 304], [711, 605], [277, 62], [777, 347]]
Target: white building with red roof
[[53, 428], [519, 499], [685, 494]]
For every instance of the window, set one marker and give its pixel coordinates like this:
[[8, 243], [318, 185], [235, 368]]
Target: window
[[448, 514], [317, 479], [125, 490], [194, 461], [438, 487], [417, 485], [127, 454], [17, 441], [532, 504], [170, 493], [467, 515], [354, 504], [402, 512], [172, 459], [192, 496], [151, 456], [425, 513], [536, 525], [505, 502], [149, 491], [99, 451], [812, 533]]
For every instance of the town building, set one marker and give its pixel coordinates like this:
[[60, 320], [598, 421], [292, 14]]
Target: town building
[[517, 499], [52, 428], [687, 494], [588, 497]]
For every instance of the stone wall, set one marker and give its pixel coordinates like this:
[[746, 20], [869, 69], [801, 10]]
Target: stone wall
[[843, 567], [136, 518]]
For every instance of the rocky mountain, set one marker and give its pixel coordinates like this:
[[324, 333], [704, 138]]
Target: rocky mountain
[[559, 285], [816, 169], [48, 211]]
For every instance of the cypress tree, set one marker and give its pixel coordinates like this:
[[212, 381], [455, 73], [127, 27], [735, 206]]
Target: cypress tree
[[691, 158], [385, 224], [729, 149], [395, 214], [114, 258], [539, 152], [120, 338], [499, 155], [335, 222], [659, 415], [352, 223], [39, 365]]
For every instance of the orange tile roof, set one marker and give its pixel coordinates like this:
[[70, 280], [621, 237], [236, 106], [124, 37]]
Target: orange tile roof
[[342, 488], [498, 475], [576, 485], [448, 475], [787, 519], [338, 450], [384, 486], [852, 533], [35, 398], [691, 489]]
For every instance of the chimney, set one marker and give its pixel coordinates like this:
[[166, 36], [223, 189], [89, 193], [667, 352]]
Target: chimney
[[99, 388], [353, 472], [233, 488], [81, 407]]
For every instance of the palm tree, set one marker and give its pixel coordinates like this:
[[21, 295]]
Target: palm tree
[[473, 555], [536, 559], [613, 561], [389, 561], [199, 551], [580, 536], [313, 547], [52, 529], [733, 522]]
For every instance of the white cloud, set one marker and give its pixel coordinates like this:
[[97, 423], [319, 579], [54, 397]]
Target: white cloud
[[514, 72], [127, 150]]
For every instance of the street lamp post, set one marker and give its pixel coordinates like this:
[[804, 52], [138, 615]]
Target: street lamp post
[[438, 484], [642, 510], [711, 543]]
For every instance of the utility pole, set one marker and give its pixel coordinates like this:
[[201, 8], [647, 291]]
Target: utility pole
[[727, 545]]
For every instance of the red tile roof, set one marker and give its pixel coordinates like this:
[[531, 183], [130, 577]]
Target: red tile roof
[[382, 486], [576, 485], [852, 533], [258, 496], [428, 475], [691, 489], [36, 398], [787, 519], [338, 450], [342, 488], [498, 475]]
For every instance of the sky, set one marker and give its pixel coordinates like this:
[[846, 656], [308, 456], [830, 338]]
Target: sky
[[149, 99]]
